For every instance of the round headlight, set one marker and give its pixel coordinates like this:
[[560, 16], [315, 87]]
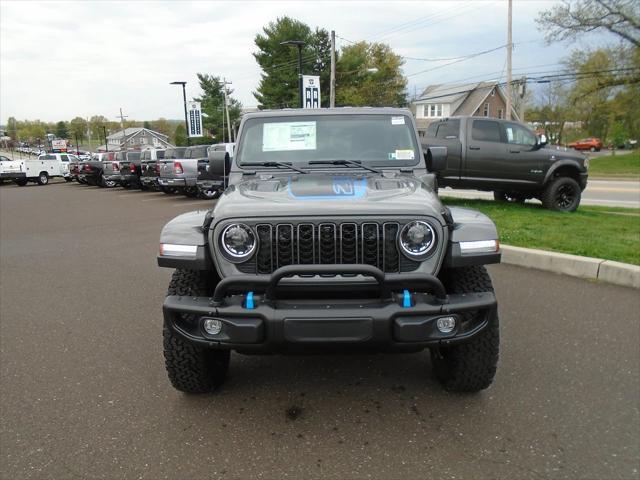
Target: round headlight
[[238, 241], [417, 239]]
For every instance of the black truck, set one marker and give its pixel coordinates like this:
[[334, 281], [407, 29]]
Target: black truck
[[509, 159], [330, 237]]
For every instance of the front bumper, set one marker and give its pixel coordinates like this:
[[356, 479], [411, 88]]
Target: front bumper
[[403, 318], [583, 180]]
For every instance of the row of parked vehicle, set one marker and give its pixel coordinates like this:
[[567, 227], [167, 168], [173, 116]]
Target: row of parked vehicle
[[197, 171]]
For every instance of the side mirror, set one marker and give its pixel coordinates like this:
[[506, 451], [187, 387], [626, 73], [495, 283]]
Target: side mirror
[[436, 159], [219, 163]]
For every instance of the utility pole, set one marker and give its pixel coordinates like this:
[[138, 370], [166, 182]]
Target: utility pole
[[122, 117], [184, 100], [332, 88], [509, 49], [89, 132], [226, 105]]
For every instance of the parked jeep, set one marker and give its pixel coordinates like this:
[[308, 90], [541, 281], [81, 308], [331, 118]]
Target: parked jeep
[[330, 237], [509, 159]]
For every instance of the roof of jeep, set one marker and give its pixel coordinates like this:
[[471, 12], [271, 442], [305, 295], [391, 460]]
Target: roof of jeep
[[297, 112]]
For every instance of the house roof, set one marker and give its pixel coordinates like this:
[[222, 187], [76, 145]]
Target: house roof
[[471, 94], [445, 93]]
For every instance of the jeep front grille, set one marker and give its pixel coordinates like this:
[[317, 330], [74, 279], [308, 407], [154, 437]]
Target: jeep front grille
[[329, 243]]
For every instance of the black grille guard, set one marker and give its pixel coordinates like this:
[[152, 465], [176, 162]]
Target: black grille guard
[[386, 281]]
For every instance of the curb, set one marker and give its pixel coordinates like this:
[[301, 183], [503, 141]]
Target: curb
[[599, 269]]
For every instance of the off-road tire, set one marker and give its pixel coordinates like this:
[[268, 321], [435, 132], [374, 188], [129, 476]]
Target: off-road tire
[[190, 192], [210, 194], [552, 197], [192, 369], [21, 182], [508, 197], [470, 366], [43, 178]]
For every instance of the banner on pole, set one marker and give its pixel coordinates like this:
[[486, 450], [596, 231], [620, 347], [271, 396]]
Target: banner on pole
[[311, 91], [194, 114]]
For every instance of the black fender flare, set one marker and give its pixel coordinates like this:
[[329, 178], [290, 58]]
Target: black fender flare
[[559, 164]]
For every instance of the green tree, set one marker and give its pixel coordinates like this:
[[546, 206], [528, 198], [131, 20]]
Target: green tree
[[279, 63], [180, 136], [369, 74], [12, 128], [212, 101], [61, 130], [96, 122], [163, 126], [147, 125], [570, 20], [78, 128]]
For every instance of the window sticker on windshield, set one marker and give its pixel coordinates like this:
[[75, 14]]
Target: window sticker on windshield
[[277, 137], [405, 155], [397, 120]]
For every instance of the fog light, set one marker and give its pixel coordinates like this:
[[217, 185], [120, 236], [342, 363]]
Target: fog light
[[212, 326], [446, 324]]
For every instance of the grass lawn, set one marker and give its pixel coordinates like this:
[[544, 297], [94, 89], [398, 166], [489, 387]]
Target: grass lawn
[[601, 232], [619, 165]]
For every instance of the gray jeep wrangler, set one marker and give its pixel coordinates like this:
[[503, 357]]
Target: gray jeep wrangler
[[329, 237]]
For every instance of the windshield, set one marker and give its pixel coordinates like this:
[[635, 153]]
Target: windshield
[[385, 140]]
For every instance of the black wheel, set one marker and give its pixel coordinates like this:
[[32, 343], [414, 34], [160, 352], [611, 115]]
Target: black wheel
[[125, 185], [191, 192], [108, 183], [21, 182], [68, 179], [562, 194], [43, 178], [470, 366], [191, 368], [168, 190], [508, 197], [210, 193]]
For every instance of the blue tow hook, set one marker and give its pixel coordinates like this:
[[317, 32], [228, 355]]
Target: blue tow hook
[[249, 305], [406, 299]]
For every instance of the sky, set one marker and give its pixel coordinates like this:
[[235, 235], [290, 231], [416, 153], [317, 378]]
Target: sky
[[59, 60]]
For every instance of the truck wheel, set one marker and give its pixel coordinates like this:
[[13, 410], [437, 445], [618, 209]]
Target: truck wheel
[[470, 366], [508, 197], [68, 179], [21, 182], [192, 369], [562, 194], [191, 192], [210, 193], [43, 178], [167, 190]]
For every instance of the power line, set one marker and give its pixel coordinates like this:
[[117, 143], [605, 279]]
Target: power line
[[461, 59]]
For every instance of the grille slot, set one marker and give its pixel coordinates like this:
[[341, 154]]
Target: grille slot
[[328, 243]]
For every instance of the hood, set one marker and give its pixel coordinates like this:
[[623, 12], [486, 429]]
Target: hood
[[328, 195], [559, 153]]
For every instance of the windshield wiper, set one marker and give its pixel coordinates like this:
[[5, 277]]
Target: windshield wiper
[[346, 163], [273, 164]]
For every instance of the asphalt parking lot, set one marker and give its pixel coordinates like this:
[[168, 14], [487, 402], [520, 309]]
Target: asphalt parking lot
[[84, 392]]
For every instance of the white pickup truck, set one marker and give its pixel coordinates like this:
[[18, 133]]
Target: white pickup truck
[[40, 171]]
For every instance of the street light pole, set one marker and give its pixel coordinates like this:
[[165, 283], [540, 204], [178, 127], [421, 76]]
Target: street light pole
[[184, 98], [299, 44]]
